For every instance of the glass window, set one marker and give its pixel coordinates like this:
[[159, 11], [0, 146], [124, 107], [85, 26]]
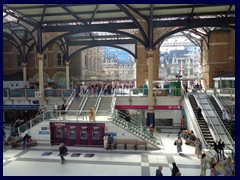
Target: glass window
[[45, 60], [60, 61], [19, 61], [72, 133], [59, 133]]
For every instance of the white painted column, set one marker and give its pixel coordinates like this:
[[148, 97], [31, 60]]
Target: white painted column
[[150, 111], [67, 74], [40, 80], [150, 54], [24, 65]]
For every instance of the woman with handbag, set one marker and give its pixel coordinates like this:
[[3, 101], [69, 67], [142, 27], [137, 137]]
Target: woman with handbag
[[198, 147], [178, 142]]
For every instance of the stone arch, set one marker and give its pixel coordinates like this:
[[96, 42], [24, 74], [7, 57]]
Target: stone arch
[[60, 78], [119, 47], [82, 31]]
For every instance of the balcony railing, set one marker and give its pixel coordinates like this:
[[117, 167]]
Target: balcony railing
[[31, 92]]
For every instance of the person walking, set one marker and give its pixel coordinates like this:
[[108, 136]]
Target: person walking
[[199, 113], [175, 169], [62, 151], [228, 167], [204, 165], [215, 147], [159, 171], [105, 142], [178, 143], [221, 147], [224, 115], [110, 139], [198, 147]]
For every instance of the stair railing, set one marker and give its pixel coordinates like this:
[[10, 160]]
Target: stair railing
[[98, 101], [225, 106], [137, 128], [83, 102], [70, 99]]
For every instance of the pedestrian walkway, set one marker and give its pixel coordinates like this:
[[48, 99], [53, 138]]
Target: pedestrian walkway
[[43, 160]]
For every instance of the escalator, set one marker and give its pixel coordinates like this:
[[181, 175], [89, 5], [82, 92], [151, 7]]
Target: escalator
[[219, 112], [202, 123]]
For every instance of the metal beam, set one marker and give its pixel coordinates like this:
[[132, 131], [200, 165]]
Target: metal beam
[[20, 17], [134, 21], [210, 22], [94, 13], [150, 28], [101, 43], [91, 27], [74, 15], [43, 13]]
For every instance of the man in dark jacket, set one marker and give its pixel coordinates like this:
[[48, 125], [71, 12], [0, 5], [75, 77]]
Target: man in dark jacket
[[199, 113], [62, 151], [159, 171], [221, 146], [174, 169]]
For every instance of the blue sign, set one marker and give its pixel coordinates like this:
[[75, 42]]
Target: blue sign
[[113, 134], [24, 107], [44, 132]]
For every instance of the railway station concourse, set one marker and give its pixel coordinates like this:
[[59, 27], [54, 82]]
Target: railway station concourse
[[46, 46]]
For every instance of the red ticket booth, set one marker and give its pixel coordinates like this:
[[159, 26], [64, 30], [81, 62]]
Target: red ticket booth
[[80, 134]]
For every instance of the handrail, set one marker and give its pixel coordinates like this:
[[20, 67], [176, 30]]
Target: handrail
[[70, 99], [113, 101], [221, 122], [155, 140], [83, 102], [195, 120], [132, 120], [224, 105], [98, 101]]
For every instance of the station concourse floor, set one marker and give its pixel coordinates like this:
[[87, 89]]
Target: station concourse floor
[[43, 160]]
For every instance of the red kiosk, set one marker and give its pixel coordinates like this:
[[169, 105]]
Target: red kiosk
[[77, 134]]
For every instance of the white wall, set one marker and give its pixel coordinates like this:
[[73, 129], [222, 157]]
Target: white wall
[[44, 135], [169, 114]]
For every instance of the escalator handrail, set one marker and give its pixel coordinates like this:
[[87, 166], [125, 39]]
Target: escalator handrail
[[70, 99], [224, 105], [83, 102], [221, 122], [99, 98]]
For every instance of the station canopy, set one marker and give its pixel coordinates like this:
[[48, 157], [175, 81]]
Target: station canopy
[[117, 23]]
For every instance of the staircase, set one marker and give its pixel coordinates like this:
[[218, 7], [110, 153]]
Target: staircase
[[219, 111], [105, 103], [75, 104], [202, 123], [91, 101], [138, 130]]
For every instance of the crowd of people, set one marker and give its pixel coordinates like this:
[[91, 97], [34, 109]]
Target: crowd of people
[[94, 89], [227, 163]]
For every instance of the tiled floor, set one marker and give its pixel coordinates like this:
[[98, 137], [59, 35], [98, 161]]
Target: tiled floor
[[103, 163]]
